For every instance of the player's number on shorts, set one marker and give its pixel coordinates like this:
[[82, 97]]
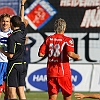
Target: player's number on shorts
[[54, 50]]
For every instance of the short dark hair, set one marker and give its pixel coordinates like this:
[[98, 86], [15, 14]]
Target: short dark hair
[[16, 21]]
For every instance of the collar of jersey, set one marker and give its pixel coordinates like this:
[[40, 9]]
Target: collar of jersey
[[9, 30], [16, 31]]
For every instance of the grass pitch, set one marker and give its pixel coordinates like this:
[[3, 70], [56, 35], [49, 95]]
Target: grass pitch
[[44, 96]]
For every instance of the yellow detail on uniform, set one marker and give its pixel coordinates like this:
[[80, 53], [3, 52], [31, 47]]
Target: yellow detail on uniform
[[16, 31], [11, 70], [14, 47], [19, 43]]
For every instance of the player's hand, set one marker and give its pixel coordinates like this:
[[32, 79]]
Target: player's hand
[[78, 57], [79, 96]]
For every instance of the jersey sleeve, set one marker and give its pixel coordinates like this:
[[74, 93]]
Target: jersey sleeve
[[42, 48], [70, 45], [11, 45]]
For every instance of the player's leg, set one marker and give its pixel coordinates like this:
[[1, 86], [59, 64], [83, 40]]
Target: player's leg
[[0, 94], [53, 88], [6, 92], [3, 67], [12, 92], [67, 97], [4, 78], [1, 90], [66, 87], [21, 93], [21, 83], [53, 97], [12, 81]]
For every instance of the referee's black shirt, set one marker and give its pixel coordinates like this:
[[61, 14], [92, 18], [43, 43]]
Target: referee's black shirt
[[16, 43]]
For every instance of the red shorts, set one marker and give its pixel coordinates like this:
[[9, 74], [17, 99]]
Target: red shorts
[[2, 87], [56, 83]]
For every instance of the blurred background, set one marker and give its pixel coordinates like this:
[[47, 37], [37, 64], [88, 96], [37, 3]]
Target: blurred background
[[83, 25]]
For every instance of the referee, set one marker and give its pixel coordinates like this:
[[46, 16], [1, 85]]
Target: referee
[[16, 69]]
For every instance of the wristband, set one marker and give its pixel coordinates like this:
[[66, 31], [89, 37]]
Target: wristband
[[22, 5]]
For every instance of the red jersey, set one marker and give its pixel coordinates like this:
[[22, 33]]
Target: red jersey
[[56, 47]]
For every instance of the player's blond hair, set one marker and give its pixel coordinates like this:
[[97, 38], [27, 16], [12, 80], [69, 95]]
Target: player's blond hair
[[59, 25], [4, 15]]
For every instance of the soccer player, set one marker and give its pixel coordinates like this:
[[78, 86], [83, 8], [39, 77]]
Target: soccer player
[[81, 96], [16, 70], [5, 32], [58, 48]]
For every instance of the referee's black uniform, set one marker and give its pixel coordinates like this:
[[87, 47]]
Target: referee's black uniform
[[16, 69]]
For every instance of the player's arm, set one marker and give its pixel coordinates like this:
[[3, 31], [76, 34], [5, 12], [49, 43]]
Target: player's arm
[[25, 22], [22, 13], [33, 41], [22, 10], [42, 50], [73, 55], [10, 49], [70, 49], [80, 96], [9, 55]]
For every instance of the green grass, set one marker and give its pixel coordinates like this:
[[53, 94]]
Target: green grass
[[44, 96]]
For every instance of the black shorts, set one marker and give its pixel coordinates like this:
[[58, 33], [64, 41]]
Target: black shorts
[[16, 73]]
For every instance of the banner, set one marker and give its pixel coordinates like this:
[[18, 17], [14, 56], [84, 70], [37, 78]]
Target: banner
[[81, 79], [83, 25], [10, 7], [81, 15], [95, 83], [36, 79], [86, 45]]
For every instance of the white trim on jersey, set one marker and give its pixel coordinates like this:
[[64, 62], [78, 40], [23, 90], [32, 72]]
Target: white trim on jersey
[[3, 43]]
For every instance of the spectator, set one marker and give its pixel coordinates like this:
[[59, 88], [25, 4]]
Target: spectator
[[27, 52], [16, 69], [58, 48]]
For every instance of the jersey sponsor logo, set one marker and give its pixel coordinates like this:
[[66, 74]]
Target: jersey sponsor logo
[[76, 77], [55, 39], [38, 79], [71, 42]]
